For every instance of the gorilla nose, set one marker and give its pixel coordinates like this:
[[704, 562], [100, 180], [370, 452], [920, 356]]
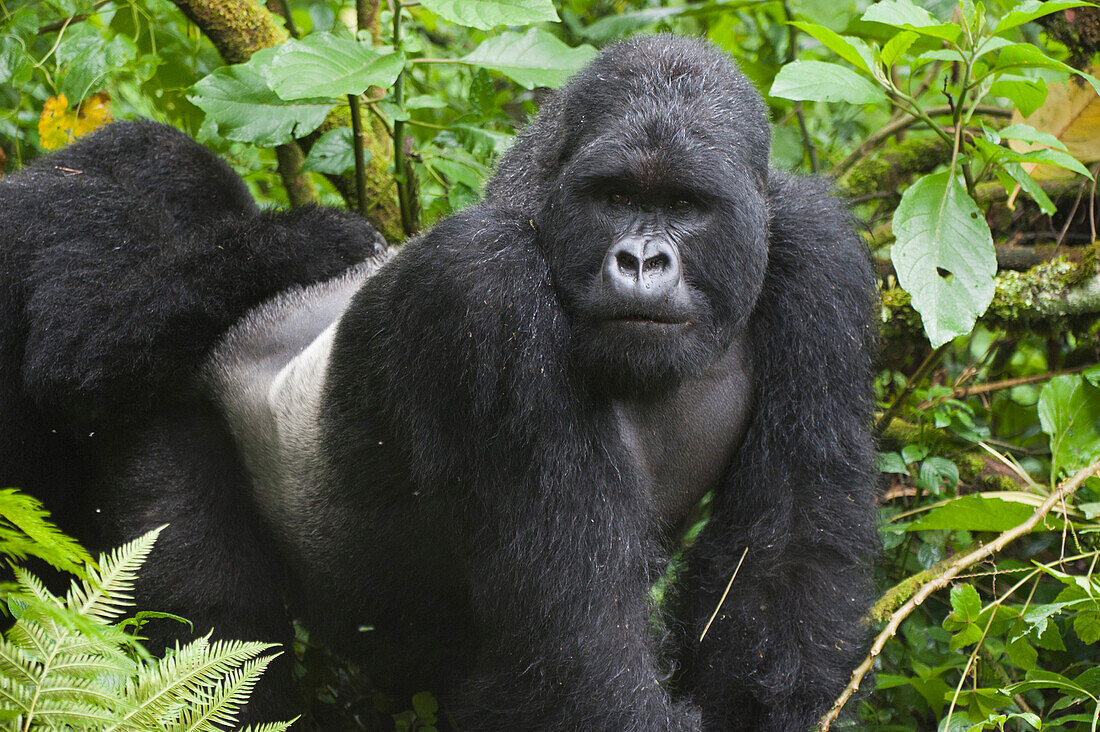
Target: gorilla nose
[[643, 268]]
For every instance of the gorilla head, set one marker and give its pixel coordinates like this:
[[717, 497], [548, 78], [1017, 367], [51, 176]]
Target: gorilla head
[[649, 200]]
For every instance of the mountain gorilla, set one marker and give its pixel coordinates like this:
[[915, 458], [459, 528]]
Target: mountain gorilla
[[465, 463]]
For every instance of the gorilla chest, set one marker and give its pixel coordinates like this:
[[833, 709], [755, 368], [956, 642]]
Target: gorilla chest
[[680, 444]]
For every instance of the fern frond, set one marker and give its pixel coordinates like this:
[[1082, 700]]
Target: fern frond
[[107, 592], [187, 674], [32, 638], [18, 665], [14, 695], [61, 712], [25, 518], [85, 665], [220, 704], [32, 586], [87, 691], [270, 727]]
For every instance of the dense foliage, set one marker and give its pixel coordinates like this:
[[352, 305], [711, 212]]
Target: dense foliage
[[962, 133]]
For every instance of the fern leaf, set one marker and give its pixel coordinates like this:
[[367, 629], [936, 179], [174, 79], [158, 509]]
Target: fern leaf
[[31, 638], [29, 519], [85, 691], [186, 676], [270, 727], [61, 712], [107, 592], [219, 705], [18, 665], [92, 665], [32, 586], [14, 695]]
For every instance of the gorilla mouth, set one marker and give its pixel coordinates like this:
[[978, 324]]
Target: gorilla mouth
[[650, 321]]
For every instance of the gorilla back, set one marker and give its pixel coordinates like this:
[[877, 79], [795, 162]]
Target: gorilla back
[[483, 446]]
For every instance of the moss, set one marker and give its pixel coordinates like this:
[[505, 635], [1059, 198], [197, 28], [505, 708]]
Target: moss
[[889, 169], [238, 28]]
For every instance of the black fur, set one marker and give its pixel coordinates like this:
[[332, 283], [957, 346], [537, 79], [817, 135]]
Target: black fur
[[480, 509]]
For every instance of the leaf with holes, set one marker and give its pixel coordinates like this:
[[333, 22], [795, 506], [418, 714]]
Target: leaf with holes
[[944, 257]]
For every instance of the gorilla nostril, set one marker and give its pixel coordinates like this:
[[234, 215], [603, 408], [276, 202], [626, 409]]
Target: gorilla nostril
[[627, 262], [658, 262]]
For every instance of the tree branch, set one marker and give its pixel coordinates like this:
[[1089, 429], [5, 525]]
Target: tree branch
[[940, 576]]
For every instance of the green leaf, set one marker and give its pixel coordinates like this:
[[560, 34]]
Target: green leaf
[[27, 515], [1025, 55], [974, 513], [846, 48], [1069, 408], [1087, 626], [333, 153], [486, 14], [819, 81], [891, 462], [1032, 9], [943, 254], [323, 65], [1025, 93], [896, 46], [239, 104], [904, 14], [938, 474], [966, 605], [534, 58], [1030, 186], [1021, 653]]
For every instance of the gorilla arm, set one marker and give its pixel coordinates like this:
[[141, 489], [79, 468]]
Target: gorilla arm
[[456, 351], [799, 493]]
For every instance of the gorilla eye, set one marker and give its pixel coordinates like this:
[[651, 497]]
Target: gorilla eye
[[620, 199], [681, 205]]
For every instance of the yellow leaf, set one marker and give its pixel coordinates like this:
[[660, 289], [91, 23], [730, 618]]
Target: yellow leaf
[[93, 112], [56, 123], [59, 125], [1072, 114]]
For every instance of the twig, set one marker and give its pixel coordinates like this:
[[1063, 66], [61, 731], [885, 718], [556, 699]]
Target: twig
[[897, 126], [792, 52], [911, 383], [59, 24], [946, 573], [724, 594], [963, 391], [358, 142]]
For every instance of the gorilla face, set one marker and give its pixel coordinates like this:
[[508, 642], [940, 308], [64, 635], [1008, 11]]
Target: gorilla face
[[656, 234]]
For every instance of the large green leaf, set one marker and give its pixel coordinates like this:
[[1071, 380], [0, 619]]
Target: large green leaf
[[904, 14], [486, 14], [323, 65], [852, 50], [943, 254], [531, 59], [974, 513], [333, 153], [1069, 410], [819, 81], [1032, 9], [239, 104]]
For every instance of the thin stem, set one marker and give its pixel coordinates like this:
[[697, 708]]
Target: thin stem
[[792, 52], [911, 383], [357, 149], [406, 194]]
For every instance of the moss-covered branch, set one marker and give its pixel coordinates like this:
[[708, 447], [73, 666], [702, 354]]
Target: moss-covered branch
[[239, 28], [1054, 295]]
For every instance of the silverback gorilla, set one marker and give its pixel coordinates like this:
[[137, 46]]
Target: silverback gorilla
[[483, 445]]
